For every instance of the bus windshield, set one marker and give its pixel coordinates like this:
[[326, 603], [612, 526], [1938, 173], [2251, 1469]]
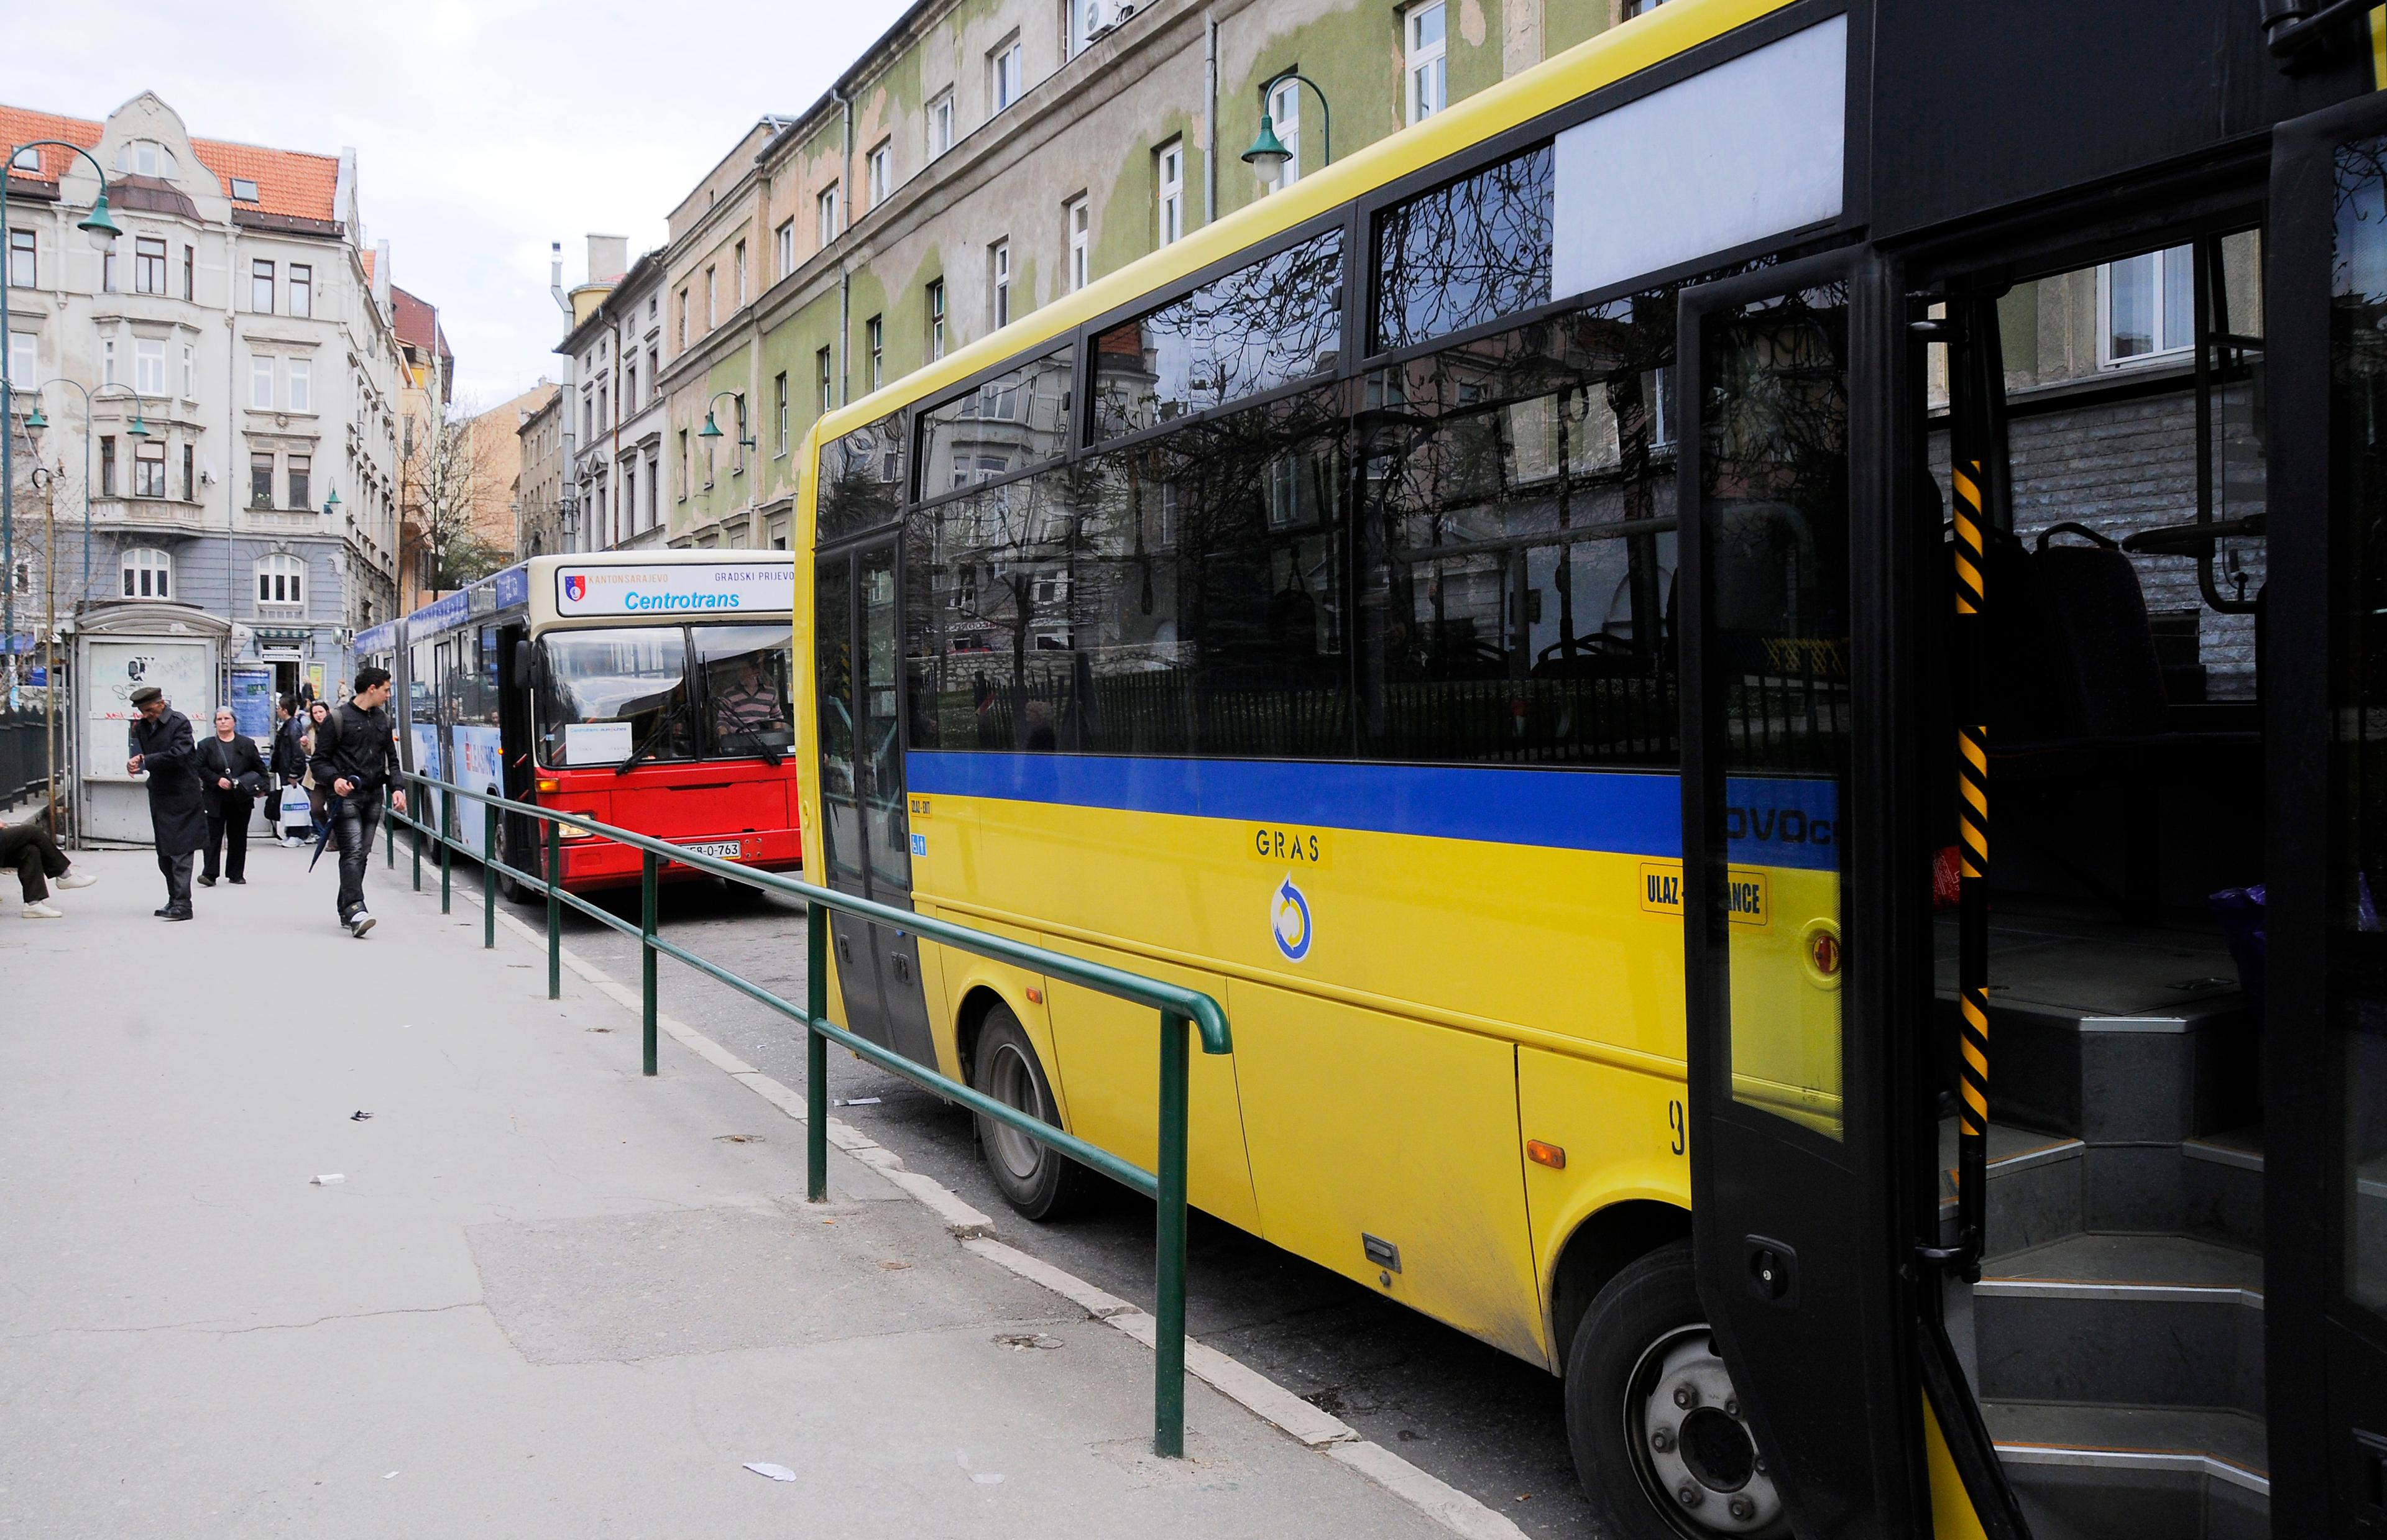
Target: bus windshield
[[747, 688], [614, 696]]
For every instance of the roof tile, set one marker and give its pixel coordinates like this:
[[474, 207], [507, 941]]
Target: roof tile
[[288, 182]]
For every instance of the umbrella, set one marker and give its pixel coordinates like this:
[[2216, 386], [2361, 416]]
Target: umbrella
[[339, 805]]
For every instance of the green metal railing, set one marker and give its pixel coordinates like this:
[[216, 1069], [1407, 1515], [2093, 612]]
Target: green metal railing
[[1181, 1010]]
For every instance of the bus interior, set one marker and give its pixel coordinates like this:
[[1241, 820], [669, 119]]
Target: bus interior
[[2115, 1337]]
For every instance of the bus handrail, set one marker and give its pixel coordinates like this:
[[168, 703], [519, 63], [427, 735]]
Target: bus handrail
[[1180, 1008]]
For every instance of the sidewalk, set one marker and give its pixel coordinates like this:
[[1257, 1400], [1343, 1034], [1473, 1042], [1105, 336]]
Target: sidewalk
[[549, 1298]]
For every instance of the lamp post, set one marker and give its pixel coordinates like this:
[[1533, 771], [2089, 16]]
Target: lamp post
[[103, 233], [36, 424], [1268, 154], [712, 429]]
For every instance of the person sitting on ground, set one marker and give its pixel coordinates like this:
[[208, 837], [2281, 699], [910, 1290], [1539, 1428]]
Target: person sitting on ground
[[30, 849]]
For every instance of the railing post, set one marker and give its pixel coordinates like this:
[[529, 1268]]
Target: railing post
[[554, 909], [388, 843], [1169, 1339], [816, 1052], [414, 825], [647, 922], [447, 841], [488, 876]]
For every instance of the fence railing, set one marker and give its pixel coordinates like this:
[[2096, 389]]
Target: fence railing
[[1181, 1010]]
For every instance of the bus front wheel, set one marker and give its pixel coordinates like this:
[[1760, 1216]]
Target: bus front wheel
[[1038, 1181], [1659, 1440]]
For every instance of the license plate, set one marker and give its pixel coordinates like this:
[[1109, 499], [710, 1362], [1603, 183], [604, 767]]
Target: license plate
[[720, 849]]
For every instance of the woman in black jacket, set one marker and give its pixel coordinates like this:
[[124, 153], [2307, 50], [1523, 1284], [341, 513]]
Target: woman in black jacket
[[232, 776]]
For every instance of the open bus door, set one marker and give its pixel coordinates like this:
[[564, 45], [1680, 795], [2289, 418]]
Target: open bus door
[[2325, 1018]]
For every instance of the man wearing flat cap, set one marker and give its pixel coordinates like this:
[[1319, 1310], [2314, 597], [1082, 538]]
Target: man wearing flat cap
[[164, 751]]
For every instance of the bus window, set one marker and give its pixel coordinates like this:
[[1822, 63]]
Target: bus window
[[840, 833], [862, 479], [423, 709], [1012, 422], [747, 688], [1466, 254], [615, 697]]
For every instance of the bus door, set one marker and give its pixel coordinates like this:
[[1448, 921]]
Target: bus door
[[2324, 636], [514, 739], [865, 834], [1796, 1229]]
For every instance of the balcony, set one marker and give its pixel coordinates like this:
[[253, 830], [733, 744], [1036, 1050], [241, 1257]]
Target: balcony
[[148, 512]]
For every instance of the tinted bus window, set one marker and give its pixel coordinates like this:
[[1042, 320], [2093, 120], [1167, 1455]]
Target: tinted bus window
[[1006, 425], [1270, 323], [861, 479], [749, 689], [1516, 549], [840, 829], [1465, 255], [614, 696]]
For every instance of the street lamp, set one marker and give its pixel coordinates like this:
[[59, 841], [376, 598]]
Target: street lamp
[[103, 233], [35, 422], [712, 429], [1268, 155]]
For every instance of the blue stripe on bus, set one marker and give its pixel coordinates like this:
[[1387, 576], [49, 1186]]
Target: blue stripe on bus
[[1774, 822]]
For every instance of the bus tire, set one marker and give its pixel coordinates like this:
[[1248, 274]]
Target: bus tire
[[1040, 1182], [1652, 1469]]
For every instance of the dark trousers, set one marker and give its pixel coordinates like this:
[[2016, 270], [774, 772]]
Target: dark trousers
[[177, 870], [228, 837], [36, 857], [354, 819]]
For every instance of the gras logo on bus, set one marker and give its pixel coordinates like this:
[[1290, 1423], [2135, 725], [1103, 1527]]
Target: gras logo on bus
[[694, 589], [1289, 921]]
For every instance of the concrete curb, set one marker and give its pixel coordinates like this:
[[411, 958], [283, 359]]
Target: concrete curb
[[1256, 1394]]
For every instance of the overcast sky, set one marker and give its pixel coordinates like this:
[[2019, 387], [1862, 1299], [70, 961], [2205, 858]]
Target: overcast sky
[[482, 129]]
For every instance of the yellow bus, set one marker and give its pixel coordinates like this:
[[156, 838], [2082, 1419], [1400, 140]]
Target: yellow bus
[[1395, 608]]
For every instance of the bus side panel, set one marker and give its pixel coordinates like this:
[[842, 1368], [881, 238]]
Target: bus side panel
[[1624, 1137], [1109, 1054], [1362, 1123], [957, 974]]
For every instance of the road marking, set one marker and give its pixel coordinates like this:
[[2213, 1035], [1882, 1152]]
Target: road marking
[[1249, 1389]]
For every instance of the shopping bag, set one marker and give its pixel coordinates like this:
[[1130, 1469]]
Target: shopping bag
[[297, 811]]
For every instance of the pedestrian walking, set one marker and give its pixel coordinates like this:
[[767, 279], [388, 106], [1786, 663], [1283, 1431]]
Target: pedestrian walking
[[355, 759], [318, 797], [163, 750], [288, 763], [29, 848], [232, 777]]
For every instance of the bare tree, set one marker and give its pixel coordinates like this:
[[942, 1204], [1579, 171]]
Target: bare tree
[[448, 485]]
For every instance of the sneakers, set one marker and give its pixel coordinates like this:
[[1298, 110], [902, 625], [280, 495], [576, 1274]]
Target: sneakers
[[359, 923], [75, 879], [42, 912]]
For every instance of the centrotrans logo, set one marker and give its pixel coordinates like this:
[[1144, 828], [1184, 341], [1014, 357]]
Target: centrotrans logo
[[1289, 921], [576, 587]]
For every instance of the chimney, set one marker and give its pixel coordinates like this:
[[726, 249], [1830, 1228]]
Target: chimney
[[609, 257], [381, 277], [555, 276]]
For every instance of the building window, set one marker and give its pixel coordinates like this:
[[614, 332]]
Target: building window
[[261, 478], [874, 333], [24, 357], [940, 124], [2150, 305], [148, 573], [711, 301], [302, 391], [1003, 73], [783, 243], [936, 294], [1427, 89], [655, 479], [1076, 220], [683, 465], [999, 278], [1284, 116], [190, 474], [148, 366], [190, 273], [881, 165], [738, 456], [281, 580], [302, 289], [108, 466], [260, 384], [244, 190], [825, 209], [24, 266], [260, 288], [190, 373], [302, 491], [107, 362], [780, 412], [824, 379], [738, 258], [1170, 179], [1084, 17], [631, 383], [1632, 8], [149, 265], [149, 471], [682, 321], [630, 494]]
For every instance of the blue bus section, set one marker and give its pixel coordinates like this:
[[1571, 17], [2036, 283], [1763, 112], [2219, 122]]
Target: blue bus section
[[1772, 821]]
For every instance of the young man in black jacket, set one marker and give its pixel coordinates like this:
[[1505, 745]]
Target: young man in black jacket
[[356, 758]]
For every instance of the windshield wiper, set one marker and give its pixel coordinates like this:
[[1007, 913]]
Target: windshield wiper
[[654, 740]]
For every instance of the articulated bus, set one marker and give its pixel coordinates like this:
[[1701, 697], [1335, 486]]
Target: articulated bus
[[1543, 618], [649, 690]]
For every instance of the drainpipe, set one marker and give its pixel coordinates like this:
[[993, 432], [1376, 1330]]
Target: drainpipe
[[1209, 116], [563, 303], [844, 276], [232, 414]]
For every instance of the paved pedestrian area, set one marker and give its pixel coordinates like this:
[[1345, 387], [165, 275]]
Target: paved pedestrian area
[[545, 1295]]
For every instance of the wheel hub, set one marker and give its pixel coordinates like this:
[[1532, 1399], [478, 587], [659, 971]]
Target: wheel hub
[[1699, 1455]]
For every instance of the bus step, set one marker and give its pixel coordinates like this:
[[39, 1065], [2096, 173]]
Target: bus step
[[2134, 1473]]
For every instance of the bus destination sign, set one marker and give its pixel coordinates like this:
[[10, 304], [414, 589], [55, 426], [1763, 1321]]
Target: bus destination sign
[[742, 587]]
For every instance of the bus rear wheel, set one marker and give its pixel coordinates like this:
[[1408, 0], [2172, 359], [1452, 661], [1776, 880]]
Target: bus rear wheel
[[1659, 1442], [1040, 1182]]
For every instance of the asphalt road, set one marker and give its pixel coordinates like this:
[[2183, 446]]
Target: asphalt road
[[1481, 1420]]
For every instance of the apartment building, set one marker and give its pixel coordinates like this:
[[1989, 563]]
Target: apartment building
[[617, 350], [982, 159], [539, 528], [426, 388], [227, 370]]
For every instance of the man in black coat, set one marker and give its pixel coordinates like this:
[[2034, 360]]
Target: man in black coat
[[232, 776], [289, 760], [355, 759], [163, 749]]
